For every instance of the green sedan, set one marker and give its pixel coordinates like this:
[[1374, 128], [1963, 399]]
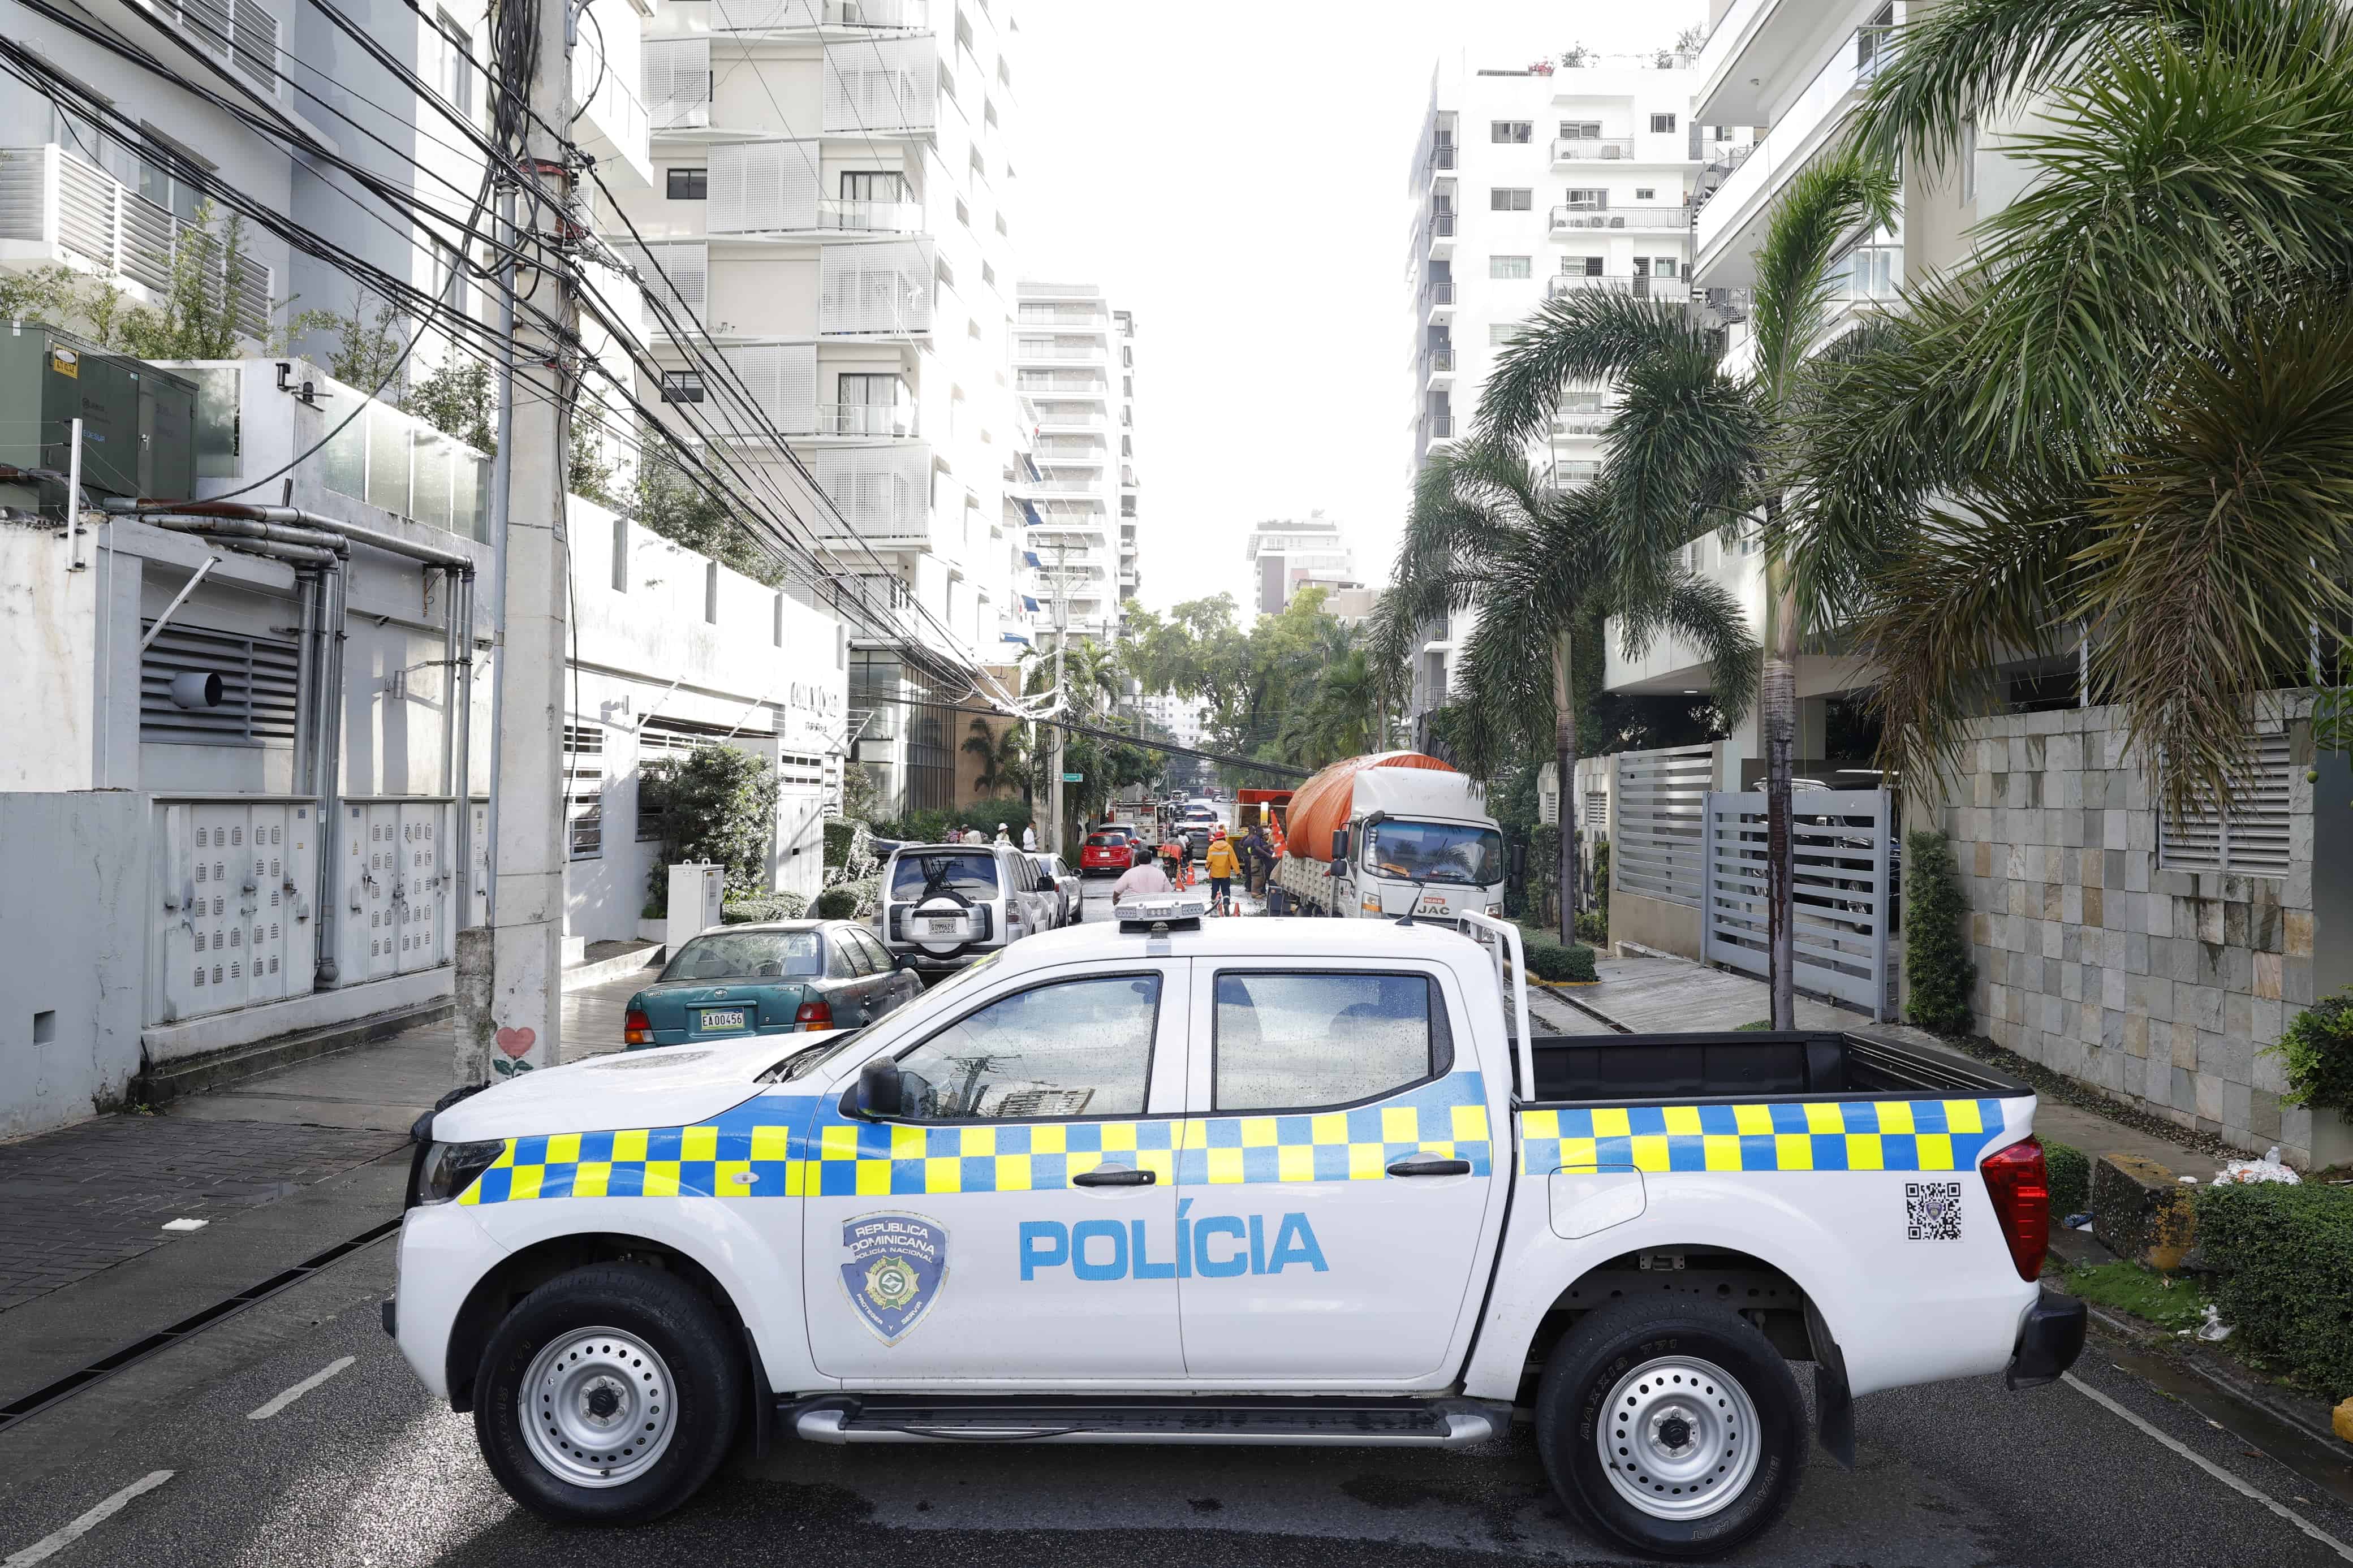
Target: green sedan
[[774, 979]]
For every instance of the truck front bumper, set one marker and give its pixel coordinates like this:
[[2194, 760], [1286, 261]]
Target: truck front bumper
[[2049, 1341]]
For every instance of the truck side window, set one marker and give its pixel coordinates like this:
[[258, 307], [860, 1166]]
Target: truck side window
[[1297, 1041], [1082, 1047]]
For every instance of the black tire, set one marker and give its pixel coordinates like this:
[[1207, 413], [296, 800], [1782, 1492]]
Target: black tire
[[1579, 1378], [705, 1354]]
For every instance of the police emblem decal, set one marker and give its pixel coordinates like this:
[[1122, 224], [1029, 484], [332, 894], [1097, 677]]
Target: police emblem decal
[[895, 1267]]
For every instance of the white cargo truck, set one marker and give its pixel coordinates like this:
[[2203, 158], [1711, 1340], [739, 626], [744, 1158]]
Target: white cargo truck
[[1229, 1181], [1392, 834]]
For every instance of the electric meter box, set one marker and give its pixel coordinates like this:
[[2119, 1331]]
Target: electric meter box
[[138, 422]]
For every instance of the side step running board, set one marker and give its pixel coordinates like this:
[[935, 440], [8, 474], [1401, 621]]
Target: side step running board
[[1452, 1424]]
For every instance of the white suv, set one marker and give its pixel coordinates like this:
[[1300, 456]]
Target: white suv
[[944, 905]]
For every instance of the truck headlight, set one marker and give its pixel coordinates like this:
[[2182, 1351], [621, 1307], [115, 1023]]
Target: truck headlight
[[447, 1170]]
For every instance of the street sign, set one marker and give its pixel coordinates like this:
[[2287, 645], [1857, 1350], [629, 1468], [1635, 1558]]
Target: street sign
[[1074, 778]]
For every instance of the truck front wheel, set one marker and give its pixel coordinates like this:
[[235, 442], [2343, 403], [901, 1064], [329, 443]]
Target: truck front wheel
[[1673, 1431], [608, 1395]]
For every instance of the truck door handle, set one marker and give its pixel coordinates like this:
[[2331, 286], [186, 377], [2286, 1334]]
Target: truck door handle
[[1119, 1176], [1430, 1165]]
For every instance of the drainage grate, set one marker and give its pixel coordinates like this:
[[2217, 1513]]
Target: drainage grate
[[131, 1355]]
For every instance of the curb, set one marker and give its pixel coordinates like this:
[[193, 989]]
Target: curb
[[194, 1075]]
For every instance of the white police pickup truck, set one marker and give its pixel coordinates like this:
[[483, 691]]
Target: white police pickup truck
[[1228, 1181]]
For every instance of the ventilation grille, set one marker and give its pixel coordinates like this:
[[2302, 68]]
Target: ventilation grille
[[677, 76], [2248, 837], [759, 187], [258, 688]]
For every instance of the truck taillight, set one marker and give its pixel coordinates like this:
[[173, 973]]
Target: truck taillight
[[637, 1030], [815, 1016], [2020, 1185]]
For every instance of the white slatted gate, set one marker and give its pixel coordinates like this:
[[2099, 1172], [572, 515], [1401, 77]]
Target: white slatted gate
[[1842, 892], [1656, 851]]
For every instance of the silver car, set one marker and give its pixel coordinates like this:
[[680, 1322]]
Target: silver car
[[1068, 888]]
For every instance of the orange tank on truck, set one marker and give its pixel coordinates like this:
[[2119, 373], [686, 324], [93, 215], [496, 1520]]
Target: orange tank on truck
[[1326, 803]]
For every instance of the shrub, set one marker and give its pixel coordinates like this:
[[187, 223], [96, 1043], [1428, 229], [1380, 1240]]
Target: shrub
[[839, 834], [1599, 850], [2318, 1048], [718, 806], [2285, 1260], [1936, 952], [2071, 1179], [1550, 961], [837, 904], [1593, 926], [762, 907]]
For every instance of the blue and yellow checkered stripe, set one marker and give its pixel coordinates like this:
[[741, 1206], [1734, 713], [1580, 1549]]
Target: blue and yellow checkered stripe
[[794, 1147], [1861, 1135]]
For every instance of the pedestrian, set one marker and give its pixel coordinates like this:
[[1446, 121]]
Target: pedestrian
[[1142, 881], [1030, 836], [1262, 860], [1004, 838], [1169, 865], [1222, 872]]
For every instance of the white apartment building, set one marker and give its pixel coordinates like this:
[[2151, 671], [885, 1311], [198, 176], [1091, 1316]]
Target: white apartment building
[[1529, 185], [829, 199], [1287, 554], [1074, 367]]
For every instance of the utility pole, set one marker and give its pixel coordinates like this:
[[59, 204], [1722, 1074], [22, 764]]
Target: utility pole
[[510, 979], [1061, 635]]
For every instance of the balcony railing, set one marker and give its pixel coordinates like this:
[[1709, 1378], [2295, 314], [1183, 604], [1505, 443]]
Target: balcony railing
[[1060, 486], [1083, 451], [1852, 67], [1442, 226], [1066, 292], [1569, 217], [1440, 158], [1615, 283], [898, 420], [1067, 387], [1591, 149], [1588, 421], [1064, 417], [792, 15], [51, 198], [1437, 359], [1439, 292], [1071, 318], [869, 217], [1024, 350], [1438, 427]]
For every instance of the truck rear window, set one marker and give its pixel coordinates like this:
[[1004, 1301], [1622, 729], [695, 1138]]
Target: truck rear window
[[923, 876]]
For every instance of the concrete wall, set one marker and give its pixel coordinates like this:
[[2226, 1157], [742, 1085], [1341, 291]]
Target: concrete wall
[[74, 938], [2161, 987], [1654, 923]]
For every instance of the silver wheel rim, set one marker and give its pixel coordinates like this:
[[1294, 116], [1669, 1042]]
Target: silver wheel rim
[[1679, 1439], [598, 1407]]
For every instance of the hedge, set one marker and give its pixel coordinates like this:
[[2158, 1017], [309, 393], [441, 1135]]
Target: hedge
[[2071, 1179], [839, 834], [2284, 1260], [1550, 961], [837, 904], [1937, 965], [766, 907]]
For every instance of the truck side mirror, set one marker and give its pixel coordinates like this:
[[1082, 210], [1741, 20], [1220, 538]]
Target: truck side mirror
[[880, 1092], [1339, 849]]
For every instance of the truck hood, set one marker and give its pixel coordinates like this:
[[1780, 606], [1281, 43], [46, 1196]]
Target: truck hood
[[670, 1085]]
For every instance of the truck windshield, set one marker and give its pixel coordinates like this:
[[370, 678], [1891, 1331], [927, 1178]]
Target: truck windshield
[[1436, 852]]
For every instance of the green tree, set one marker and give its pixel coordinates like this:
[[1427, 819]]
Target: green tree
[[368, 349], [1538, 562], [2125, 422], [674, 503], [458, 397], [1697, 447], [1004, 757], [718, 806]]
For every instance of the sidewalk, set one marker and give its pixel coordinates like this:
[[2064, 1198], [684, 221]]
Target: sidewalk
[[1646, 994], [280, 1167]]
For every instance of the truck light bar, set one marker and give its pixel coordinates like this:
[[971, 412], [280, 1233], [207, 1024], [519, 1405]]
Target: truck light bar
[[1176, 912]]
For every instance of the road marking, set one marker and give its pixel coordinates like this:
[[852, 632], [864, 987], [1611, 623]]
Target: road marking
[[2211, 1469], [297, 1391], [48, 1546]]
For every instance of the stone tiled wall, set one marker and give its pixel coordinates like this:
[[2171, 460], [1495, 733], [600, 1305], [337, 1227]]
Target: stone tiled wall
[[2161, 987]]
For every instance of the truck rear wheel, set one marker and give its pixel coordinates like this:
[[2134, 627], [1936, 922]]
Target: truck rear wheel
[[1674, 1431], [608, 1395]]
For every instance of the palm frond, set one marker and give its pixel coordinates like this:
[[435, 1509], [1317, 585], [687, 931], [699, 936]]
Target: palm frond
[[1818, 211], [1587, 335]]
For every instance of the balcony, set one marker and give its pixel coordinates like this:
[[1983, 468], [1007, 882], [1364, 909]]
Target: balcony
[[1063, 318], [1038, 352], [1438, 296], [847, 216], [1061, 484], [49, 197], [1061, 450], [1592, 149], [770, 17], [610, 121], [1437, 360], [1563, 283], [879, 420], [1566, 218], [1069, 416], [1438, 426], [1561, 475], [1440, 161], [1811, 123], [1035, 382]]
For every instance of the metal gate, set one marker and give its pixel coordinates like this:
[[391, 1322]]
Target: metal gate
[[1658, 851], [1842, 891], [232, 891]]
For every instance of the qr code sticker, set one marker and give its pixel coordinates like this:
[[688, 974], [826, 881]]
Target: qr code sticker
[[1932, 1211]]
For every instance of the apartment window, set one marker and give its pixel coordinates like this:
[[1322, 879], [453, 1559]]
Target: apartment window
[[945, 273], [1646, 193], [1000, 225], [1511, 130], [1505, 199], [1581, 131], [1502, 333], [457, 65], [1871, 273], [1664, 266], [873, 185], [963, 214], [988, 111], [1581, 266], [1127, 386], [989, 274], [689, 184], [1662, 124], [584, 791], [964, 31], [979, 169], [1588, 200], [1508, 267], [682, 386]]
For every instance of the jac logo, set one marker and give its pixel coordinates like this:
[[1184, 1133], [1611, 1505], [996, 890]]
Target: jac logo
[[1217, 1246]]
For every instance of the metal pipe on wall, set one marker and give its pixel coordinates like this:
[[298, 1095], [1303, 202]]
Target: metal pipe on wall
[[462, 757], [328, 763], [306, 678]]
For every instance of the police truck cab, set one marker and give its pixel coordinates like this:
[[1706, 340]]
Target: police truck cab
[[1256, 1181]]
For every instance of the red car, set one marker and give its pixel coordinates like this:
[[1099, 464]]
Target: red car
[[1108, 849]]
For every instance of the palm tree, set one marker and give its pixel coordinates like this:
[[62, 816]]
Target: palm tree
[[1004, 757], [1537, 562], [1697, 447], [1344, 716], [2121, 427]]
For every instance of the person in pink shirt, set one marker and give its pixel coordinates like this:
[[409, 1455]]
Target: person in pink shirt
[[1141, 880]]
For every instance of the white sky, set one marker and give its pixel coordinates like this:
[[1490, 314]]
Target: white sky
[[1238, 177]]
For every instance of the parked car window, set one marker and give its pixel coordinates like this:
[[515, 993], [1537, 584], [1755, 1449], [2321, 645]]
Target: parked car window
[[877, 955], [1294, 1041], [1104, 841], [972, 873], [844, 961], [1082, 1047], [747, 955]]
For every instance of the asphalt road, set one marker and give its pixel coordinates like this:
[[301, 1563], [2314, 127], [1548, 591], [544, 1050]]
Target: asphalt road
[[294, 1435]]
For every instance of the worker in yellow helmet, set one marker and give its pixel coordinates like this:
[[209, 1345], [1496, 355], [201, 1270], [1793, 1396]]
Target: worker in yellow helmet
[[1222, 872]]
